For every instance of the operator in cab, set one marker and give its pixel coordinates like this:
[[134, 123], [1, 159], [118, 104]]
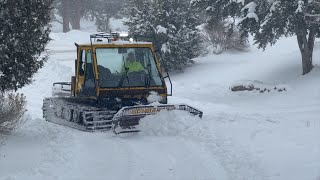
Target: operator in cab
[[132, 64]]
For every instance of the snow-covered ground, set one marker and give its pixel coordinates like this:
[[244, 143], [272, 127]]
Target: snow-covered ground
[[243, 135]]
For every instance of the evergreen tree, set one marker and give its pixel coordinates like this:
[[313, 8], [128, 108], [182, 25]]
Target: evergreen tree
[[170, 25], [24, 33], [267, 21], [218, 10], [284, 18], [142, 20]]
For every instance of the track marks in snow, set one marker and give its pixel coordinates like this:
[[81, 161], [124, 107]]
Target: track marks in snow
[[237, 162], [29, 152], [103, 157], [171, 157], [230, 160]]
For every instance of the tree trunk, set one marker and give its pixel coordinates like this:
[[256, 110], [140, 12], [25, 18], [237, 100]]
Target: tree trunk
[[65, 15], [306, 62], [306, 45], [76, 14]]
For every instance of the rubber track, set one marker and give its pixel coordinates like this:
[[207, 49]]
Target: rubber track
[[78, 116]]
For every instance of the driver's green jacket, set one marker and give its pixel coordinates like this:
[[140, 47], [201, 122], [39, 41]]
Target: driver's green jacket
[[134, 66]]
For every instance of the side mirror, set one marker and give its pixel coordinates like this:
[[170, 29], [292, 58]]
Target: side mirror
[[166, 75], [75, 66]]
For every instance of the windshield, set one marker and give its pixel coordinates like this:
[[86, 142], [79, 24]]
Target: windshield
[[127, 67]]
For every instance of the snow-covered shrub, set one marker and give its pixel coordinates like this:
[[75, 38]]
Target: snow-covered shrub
[[12, 108], [257, 86], [220, 32], [222, 36]]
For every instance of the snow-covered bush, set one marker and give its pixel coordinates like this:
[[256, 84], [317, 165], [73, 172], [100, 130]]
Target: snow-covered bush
[[170, 25], [12, 108], [222, 36], [257, 86], [220, 31]]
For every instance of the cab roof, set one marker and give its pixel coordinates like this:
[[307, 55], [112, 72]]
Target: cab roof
[[113, 40], [118, 43]]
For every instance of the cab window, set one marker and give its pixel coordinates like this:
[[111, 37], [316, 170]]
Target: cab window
[[89, 67], [82, 62]]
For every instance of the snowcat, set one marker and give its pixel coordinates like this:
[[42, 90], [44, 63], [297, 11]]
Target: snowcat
[[105, 94]]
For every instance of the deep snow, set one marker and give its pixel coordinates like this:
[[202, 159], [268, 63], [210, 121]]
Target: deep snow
[[243, 135]]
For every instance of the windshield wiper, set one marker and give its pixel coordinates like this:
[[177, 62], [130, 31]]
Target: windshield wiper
[[148, 80], [124, 75]]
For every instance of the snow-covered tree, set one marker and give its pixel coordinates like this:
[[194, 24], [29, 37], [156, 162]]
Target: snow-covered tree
[[103, 11], [218, 10], [141, 18], [24, 32], [103, 23], [269, 20], [315, 16], [170, 25], [110, 7]]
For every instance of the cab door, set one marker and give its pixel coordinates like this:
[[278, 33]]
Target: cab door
[[86, 79]]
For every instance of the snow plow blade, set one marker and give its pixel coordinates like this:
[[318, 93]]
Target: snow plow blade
[[127, 119]]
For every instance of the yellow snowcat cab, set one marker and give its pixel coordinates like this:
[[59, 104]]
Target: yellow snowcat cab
[[116, 83]]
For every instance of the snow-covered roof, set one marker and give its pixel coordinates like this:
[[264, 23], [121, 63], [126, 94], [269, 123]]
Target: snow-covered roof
[[119, 42]]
